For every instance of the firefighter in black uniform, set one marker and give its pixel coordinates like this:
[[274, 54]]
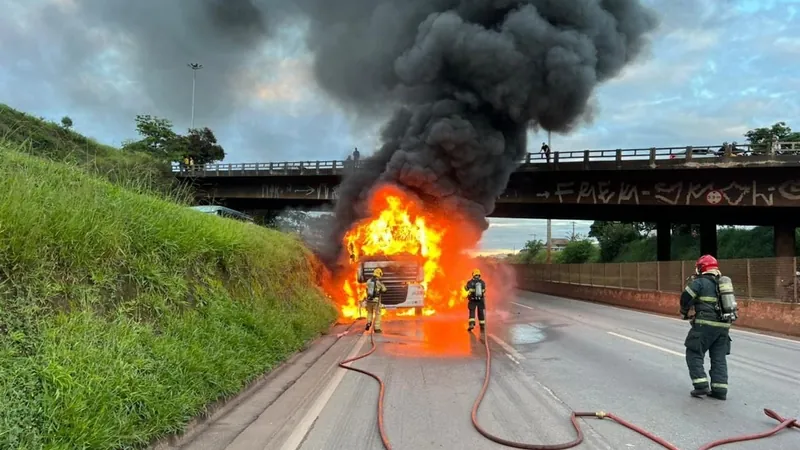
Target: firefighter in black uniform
[[710, 330], [476, 295]]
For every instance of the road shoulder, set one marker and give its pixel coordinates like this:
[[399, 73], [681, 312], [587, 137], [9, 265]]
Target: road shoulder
[[227, 418]]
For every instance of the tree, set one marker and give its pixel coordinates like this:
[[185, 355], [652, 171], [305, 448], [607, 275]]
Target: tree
[[529, 251], [762, 137], [578, 252], [202, 147], [159, 140], [613, 236], [66, 122]]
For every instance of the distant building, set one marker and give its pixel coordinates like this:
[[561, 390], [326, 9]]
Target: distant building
[[558, 244]]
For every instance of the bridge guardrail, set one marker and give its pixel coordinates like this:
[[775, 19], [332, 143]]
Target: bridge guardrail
[[769, 279], [586, 156]]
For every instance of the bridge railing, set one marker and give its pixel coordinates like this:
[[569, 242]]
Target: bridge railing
[[555, 157], [773, 279]]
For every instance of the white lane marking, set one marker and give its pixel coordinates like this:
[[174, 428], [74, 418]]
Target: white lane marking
[[646, 344], [296, 438], [510, 351], [735, 330]]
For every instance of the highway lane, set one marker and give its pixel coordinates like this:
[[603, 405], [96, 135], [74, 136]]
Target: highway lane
[[550, 355], [433, 371], [631, 363]]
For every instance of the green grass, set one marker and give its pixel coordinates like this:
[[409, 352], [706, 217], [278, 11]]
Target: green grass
[[122, 315], [40, 137]]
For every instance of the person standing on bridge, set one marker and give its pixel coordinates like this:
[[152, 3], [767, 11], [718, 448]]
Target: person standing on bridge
[[710, 330], [546, 150], [374, 290], [476, 296], [356, 157]]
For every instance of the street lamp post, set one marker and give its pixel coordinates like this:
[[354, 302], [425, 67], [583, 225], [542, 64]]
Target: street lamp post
[[549, 221], [195, 67]]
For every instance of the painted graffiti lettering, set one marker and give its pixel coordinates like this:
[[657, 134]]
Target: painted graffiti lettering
[[600, 190], [734, 193], [604, 193], [627, 192], [674, 190], [729, 193], [586, 190], [790, 190], [696, 191], [563, 189], [767, 198]]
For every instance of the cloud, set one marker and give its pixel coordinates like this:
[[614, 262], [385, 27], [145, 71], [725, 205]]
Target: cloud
[[716, 69]]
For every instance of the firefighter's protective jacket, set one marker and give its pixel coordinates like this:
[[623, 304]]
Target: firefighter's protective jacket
[[701, 293], [374, 289], [471, 287]]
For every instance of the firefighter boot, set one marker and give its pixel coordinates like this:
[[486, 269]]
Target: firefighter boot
[[699, 393], [719, 395]]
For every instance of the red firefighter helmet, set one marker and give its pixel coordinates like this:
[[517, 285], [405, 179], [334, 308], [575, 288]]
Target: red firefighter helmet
[[706, 263]]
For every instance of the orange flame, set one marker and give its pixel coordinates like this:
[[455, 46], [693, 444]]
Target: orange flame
[[398, 225]]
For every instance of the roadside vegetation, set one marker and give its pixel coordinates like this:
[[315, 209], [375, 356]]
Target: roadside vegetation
[[636, 242], [58, 142], [122, 313]]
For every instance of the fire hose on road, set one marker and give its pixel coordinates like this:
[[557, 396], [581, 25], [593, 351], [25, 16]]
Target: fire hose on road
[[784, 422]]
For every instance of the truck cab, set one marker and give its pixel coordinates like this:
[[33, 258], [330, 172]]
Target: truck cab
[[402, 276]]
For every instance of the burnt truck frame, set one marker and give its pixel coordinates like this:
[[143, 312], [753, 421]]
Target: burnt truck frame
[[402, 276]]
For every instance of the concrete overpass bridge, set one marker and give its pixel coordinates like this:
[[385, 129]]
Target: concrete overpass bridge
[[705, 185]]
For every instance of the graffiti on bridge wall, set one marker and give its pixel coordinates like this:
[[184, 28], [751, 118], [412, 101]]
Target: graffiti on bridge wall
[[288, 191], [752, 193]]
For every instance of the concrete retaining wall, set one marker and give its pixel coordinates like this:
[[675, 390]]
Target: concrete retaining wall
[[761, 315]]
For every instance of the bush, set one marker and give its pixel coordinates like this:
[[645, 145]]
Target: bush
[[579, 252], [122, 315]]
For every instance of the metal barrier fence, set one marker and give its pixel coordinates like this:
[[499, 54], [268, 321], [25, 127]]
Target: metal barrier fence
[[587, 156], [771, 279]]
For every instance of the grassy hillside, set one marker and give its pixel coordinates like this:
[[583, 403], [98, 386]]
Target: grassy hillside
[[121, 314], [49, 140]]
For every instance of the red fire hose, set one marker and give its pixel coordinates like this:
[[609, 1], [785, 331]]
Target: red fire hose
[[343, 364], [784, 422]]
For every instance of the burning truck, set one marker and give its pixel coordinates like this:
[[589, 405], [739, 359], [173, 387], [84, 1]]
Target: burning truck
[[403, 276], [421, 251]]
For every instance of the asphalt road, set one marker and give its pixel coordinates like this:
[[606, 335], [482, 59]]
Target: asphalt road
[[551, 355]]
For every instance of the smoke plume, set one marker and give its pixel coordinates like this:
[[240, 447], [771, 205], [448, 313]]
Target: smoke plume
[[465, 80]]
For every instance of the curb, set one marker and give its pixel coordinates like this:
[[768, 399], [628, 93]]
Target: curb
[[223, 406]]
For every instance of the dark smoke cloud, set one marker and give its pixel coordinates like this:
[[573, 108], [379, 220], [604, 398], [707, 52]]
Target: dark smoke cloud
[[462, 80], [466, 79]]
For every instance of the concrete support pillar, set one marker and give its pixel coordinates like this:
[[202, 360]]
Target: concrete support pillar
[[663, 241], [708, 239], [784, 241]]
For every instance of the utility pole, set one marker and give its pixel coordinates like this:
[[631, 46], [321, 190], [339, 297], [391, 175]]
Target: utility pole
[[549, 221], [195, 67], [572, 238]]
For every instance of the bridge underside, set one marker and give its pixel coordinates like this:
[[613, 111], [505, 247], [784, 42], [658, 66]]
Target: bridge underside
[[721, 215]]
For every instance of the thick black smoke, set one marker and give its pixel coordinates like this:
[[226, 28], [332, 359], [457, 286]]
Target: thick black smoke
[[467, 78]]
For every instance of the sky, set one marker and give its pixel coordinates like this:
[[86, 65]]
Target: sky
[[716, 69]]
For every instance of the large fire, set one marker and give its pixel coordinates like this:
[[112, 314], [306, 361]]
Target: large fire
[[399, 226]]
